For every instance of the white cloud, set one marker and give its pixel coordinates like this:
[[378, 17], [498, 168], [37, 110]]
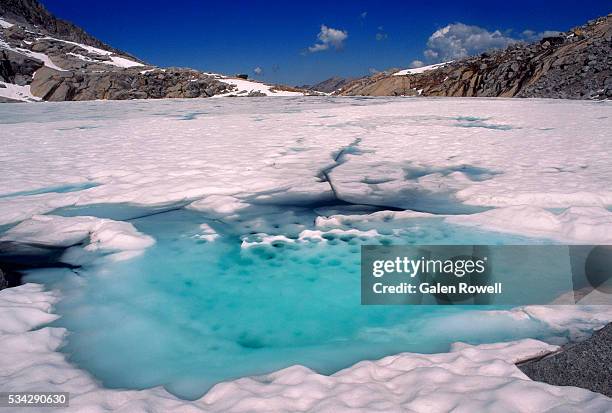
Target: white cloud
[[258, 70], [533, 36], [459, 40], [329, 37], [430, 54], [416, 63], [364, 14]]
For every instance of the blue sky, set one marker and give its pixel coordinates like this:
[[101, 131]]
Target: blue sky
[[287, 42]]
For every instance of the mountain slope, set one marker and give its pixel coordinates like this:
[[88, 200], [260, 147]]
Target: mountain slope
[[45, 58], [330, 85], [33, 13], [573, 65]]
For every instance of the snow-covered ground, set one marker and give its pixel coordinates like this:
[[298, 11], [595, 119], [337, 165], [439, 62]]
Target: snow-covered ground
[[244, 87], [116, 60], [437, 155], [421, 69], [16, 92], [530, 167]]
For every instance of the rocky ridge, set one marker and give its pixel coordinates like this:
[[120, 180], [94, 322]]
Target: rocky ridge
[[572, 65], [31, 12], [45, 58], [329, 85]]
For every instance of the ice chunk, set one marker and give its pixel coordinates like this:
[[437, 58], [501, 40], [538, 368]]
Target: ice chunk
[[217, 206], [100, 234], [574, 225]]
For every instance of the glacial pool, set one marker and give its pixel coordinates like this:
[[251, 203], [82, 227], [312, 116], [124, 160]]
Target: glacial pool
[[191, 312]]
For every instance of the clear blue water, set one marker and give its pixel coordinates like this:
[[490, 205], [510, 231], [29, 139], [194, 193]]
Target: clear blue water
[[190, 313]]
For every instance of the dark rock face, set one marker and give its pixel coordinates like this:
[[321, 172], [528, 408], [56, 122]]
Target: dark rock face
[[17, 68], [587, 364], [34, 13], [574, 65], [56, 86]]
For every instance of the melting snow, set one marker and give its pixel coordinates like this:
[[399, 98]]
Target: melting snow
[[421, 69], [408, 154], [5, 25], [244, 87], [117, 60], [36, 55], [16, 92]]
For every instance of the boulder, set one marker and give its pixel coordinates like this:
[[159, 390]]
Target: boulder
[[45, 82], [587, 364]]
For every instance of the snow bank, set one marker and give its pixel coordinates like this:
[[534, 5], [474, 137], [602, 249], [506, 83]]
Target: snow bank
[[16, 92], [5, 25], [36, 55], [574, 225], [102, 235], [244, 87], [116, 60], [421, 69], [468, 378]]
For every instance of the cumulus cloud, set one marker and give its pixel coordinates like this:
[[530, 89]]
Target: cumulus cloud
[[459, 40], [258, 71], [430, 54], [329, 37], [416, 63]]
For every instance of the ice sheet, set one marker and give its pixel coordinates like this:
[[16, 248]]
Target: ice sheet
[[434, 155], [481, 160]]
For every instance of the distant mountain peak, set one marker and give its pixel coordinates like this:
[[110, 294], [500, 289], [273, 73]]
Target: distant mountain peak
[[46, 58]]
